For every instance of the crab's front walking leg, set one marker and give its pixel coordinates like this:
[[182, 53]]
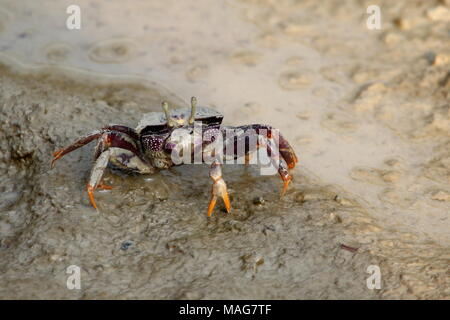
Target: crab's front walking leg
[[96, 175], [219, 188]]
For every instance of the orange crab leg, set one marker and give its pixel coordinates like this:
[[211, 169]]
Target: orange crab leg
[[104, 186], [285, 185], [211, 205], [213, 201], [90, 191], [226, 201], [219, 188]]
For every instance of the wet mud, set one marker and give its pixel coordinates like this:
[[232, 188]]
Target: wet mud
[[367, 112]]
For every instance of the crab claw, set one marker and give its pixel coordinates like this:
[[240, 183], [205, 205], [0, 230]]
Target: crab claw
[[219, 188]]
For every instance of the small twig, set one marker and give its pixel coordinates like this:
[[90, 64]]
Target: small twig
[[351, 249]]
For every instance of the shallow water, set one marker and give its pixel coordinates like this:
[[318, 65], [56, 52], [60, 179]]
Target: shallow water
[[366, 111]]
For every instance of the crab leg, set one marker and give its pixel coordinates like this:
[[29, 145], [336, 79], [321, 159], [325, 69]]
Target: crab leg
[[219, 188], [96, 175], [283, 167], [119, 157], [285, 176], [77, 144], [116, 144], [281, 153], [123, 129], [284, 148], [113, 135]]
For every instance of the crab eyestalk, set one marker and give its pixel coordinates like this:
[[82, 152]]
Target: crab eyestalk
[[165, 107], [193, 106]]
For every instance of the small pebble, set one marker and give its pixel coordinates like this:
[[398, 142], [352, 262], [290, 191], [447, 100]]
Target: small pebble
[[439, 13], [335, 218], [259, 201], [300, 197], [125, 245]]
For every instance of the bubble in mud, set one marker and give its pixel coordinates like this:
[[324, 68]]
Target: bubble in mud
[[315, 194], [268, 40], [293, 61], [362, 75], [402, 23], [334, 217], [113, 51], [394, 163], [303, 140], [57, 52], [440, 195], [392, 38], [297, 29], [441, 59], [395, 197], [322, 92], [294, 80], [375, 176], [248, 110], [336, 74], [440, 13], [346, 202], [197, 72], [438, 168], [303, 115], [339, 123], [369, 97], [247, 58], [391, 176]]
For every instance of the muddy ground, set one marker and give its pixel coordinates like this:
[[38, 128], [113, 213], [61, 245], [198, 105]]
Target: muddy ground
[[367, 112]]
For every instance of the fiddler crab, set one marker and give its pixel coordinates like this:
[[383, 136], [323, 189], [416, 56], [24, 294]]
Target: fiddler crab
[[162, 140]]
